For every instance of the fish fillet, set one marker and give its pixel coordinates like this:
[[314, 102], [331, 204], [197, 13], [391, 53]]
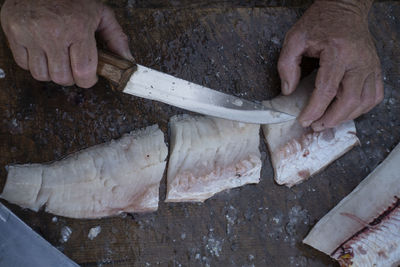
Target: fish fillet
[[297, 152], [120, 176], [209, 155], [364, 228]]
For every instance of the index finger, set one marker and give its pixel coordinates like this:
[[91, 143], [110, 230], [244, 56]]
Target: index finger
[[20, 54], [347, 103], [289, 61], [327, 84], [111, 32]]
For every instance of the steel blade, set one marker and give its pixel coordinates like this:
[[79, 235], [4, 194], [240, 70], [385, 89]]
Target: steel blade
[[155, 85]]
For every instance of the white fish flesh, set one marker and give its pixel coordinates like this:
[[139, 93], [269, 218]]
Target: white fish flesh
[[104, 180], [297, 152], [209, 155], [364, 228]]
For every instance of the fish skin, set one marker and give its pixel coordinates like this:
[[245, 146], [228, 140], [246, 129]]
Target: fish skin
[[296, 152], [119, 176], [341, 227], [209, 155]]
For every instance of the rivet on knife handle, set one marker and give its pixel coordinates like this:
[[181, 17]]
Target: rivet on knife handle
[[115, 69]]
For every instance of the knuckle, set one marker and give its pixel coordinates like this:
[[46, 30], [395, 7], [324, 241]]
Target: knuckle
[[331, 124], [22, 66], [328, 92], [379, 97], [340, 42], [313, 115], [13, 28], [328, 122], [79, 28], [349, 51], [282, 65], [83, 71], [379, 83], [124, 38], [49, 27], [44, 27], [118, 36], [334, 41], [55, 32], [77, 21], [352, 101], [40, 76], [376, 61], [379, 79], [380, 90], [108, 11], [86, 83], [62, 79], [368, 103], [22, 63], [293, 34]]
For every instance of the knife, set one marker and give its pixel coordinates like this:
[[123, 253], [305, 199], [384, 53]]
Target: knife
[[20, 246], [138, 80]]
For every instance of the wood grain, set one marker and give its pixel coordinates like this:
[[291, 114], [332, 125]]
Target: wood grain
[[234, 50], [116, 70]]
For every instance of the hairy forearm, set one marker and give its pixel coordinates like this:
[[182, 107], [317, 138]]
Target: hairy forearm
[[361, 7]]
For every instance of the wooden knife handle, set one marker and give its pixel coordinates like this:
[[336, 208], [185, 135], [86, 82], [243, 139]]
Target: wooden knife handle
[[115, 69]]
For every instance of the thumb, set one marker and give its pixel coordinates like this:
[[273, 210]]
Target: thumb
[[111, 32], [289, 62]]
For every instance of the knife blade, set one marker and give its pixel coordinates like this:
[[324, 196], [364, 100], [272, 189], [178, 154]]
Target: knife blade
[[141, 81], [21, 246]]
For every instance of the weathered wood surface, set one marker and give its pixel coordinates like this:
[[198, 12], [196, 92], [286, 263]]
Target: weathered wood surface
[[231, 49]]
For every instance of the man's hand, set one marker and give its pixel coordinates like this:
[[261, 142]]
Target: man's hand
[[349, 81], [55, 39]]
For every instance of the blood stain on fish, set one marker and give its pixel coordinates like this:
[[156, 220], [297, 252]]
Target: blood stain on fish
[[304, 174]]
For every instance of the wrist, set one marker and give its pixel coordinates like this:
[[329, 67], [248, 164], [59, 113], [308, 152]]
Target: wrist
[[360, 7]]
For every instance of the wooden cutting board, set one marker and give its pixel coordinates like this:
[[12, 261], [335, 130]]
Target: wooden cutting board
[[234, 50]]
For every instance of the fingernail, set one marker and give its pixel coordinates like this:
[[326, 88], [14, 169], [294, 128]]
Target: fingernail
[[285, 87], [305, 123], [129, 56]]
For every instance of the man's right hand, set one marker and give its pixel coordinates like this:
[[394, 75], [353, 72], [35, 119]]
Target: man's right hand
[[55, 39]]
